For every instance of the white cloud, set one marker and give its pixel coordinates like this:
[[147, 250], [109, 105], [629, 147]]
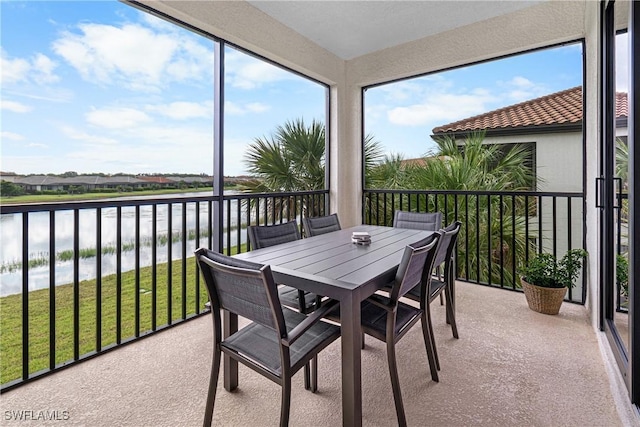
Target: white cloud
[[12, 136], [117, 118], [38, 69], [404, 91], [520, 89], [520, 81], [13, 106], [234, 150], [183, 110], [149, 149], [239, 110], [134, 56], [441, 107], [258, 107], [246, 72], [13, 70], [436, 103], [43, 68], [37, 145], [79, 135]]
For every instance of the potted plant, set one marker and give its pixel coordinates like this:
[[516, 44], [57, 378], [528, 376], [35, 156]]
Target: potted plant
[[545, 279]]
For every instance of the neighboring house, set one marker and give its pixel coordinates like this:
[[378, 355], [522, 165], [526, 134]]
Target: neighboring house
[[189, 180], [552, 126], [41, 182], [158, 180], [92, 182]]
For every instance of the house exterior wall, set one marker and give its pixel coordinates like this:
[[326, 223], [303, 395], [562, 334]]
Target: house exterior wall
[[558, 158]]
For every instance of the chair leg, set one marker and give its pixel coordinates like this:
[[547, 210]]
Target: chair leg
[[213, 385], [307, 376], [285, 405], [363, 334], [314, 374], [432, 336], [395, 383], [430, 346], [302, 302], [451, 316]]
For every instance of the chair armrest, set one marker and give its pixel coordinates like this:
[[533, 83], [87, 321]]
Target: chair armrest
[[311, 320]]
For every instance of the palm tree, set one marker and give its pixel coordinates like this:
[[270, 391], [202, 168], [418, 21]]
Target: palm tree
[[495, 227], [293, 159]]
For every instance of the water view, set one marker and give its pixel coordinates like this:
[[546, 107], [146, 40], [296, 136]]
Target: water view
[[39, 231]]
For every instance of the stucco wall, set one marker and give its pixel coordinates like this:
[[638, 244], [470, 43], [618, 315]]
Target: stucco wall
[[541, 25], [558, 159]]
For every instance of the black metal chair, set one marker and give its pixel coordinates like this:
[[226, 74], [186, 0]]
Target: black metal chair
[[278, 342], [418, 220], [321, 225], [388, 319], [441, 284], [263, 236]]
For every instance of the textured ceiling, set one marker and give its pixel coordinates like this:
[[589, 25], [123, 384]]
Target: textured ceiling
[[350, 29]]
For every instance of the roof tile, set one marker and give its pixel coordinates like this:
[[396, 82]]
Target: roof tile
[[560, 107]]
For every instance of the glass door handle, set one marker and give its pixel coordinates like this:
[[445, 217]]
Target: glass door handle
[[599, 184]]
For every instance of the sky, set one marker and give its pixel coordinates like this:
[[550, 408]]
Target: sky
[[99, 86]]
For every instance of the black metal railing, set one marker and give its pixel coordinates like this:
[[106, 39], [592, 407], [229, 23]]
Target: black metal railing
[[500, 231], [91, 276], [88, 277]]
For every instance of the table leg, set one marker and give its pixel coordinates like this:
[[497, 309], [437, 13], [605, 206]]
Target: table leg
[[351, 363], [229, 327]]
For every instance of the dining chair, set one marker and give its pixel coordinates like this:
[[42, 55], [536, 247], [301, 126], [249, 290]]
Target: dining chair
[[277, 343], [320, 225], [441, 284], [263, 236], [418, 220], [388, 319]]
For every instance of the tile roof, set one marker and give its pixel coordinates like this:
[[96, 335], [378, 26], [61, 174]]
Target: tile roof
[[622, 104], [564, 107]]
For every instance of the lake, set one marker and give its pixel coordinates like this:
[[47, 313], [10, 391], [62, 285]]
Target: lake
[[38, 245]]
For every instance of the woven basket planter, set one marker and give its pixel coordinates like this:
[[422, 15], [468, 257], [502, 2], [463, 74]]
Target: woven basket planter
[[543, 300]]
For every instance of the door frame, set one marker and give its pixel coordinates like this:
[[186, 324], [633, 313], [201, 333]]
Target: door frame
[[628, 364]]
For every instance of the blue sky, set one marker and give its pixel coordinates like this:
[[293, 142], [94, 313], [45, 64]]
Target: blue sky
[[98, 86]]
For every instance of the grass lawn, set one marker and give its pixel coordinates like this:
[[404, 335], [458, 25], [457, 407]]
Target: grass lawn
[[11, 315]]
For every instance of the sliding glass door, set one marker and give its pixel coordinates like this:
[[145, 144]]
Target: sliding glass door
[[617, 185]]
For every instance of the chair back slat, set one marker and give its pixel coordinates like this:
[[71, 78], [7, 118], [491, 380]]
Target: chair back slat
[[417, 261], [418, 220], [448, 242], [241, 287], [321, 225], [263, 236]]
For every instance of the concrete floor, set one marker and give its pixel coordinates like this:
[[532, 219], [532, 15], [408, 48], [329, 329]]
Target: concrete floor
[[510, 367]]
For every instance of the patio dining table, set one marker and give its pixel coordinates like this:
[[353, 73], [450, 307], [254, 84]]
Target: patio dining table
[[332, 266]]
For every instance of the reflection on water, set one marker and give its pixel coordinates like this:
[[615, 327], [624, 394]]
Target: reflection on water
[[39, 232]]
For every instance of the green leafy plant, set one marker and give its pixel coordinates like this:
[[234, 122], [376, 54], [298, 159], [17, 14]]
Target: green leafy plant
[[547, 271], [622, 274]]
